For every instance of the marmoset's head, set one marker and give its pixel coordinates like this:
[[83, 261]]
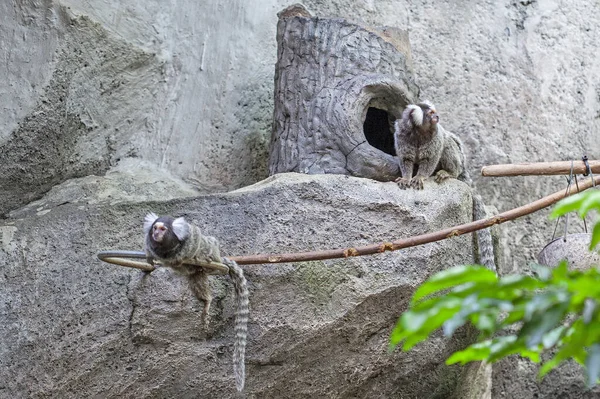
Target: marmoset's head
[[165, 230]]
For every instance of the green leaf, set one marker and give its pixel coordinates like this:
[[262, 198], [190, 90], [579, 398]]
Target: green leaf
[[475, 352], [485, 321], [520, 282], [453, 277], [516, 315], [572, 346], [589, 308], [551, 364], [436, 317], [504, 346], [592, 365], [409, 323], [566, 205], [415, 326], [591, 200], [561, 272], [534, 330], [595, 237]]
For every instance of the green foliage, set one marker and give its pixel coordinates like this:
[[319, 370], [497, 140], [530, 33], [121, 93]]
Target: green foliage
[[558, 309]]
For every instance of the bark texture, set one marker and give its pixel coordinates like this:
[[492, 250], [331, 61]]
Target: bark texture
[[330, 75]]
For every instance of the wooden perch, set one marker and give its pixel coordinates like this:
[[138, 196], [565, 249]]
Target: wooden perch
[[416, 240], [539, 168]]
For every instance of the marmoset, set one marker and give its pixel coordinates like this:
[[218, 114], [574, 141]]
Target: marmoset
[[424, 149], [174, 242]]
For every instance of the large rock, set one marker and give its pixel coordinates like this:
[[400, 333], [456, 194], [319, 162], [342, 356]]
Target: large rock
[[73, 326], [190, 89]]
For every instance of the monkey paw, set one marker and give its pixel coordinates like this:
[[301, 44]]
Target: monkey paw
[[417, 183], [441, 176], [403, 183]]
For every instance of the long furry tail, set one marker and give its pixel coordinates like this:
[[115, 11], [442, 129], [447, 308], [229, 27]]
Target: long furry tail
[[241, 321], [484, 237]]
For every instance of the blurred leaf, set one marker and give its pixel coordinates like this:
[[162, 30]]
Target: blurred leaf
[[551, 338], [588, 310], [516, 315], [415, 326], [511, 345], [453, 277], [544, 273], [543, 301], [566, 205], [485, 322], [595, 236], [525, 313], [592, 365], [560, 272], [591, 200], [533, 331], [571, 347], [475, 352]]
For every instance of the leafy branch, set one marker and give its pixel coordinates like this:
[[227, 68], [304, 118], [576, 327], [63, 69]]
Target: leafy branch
[[516, 314]]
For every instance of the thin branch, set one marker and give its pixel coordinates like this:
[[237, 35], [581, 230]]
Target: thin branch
[[412, 241], [539, 168]]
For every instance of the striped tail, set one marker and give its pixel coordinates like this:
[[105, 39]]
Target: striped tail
[[484, 237], [241, 322]]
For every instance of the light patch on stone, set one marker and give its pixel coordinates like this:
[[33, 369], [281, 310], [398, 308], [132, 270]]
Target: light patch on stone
[[6, 235]]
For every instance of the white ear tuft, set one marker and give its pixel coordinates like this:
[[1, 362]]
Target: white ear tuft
[[415, 114], [181, 228], [429, 104], [149, 221]]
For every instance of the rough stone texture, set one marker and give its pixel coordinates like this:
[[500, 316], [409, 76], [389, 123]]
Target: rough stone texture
[[516, 79], [83, 120], [328, 74], [79, 97], [75, 327], [129, 181], [566, 382]]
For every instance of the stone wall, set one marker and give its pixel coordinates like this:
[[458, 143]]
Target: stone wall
[[186, 88]]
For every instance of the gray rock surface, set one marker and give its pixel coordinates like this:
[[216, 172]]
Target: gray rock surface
[[189, 86], [516, 79], [75, 327], [131, 180]]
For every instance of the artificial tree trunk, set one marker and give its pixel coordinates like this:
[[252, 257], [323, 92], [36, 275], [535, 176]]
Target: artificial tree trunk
[[338, 89]]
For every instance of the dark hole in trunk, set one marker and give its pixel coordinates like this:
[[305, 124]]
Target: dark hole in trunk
[[379, 131]]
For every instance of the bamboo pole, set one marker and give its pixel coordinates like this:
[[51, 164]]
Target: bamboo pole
[[416, 240], [539, 168]]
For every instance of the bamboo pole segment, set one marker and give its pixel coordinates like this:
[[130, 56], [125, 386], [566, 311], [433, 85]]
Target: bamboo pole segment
[[539, 168], [416, 240]]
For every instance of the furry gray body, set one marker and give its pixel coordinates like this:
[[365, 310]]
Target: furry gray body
[[424, 149], [187, 243]]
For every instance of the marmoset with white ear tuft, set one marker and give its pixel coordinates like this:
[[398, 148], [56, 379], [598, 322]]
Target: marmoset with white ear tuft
[[175, 241], [424, 149]]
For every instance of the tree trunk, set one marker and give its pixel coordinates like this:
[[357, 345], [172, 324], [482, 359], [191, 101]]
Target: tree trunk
[[338, 89]]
